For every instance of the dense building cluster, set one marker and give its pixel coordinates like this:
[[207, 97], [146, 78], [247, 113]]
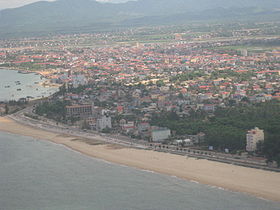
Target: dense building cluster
[[119, 87]]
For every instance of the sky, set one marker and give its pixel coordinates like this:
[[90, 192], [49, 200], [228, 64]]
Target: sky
[[17, 3]]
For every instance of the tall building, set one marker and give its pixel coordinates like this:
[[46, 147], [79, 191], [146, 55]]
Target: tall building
[[253, 137], [103, 122], [244, 52]]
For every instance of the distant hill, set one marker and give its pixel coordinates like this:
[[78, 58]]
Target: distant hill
[[73, 15]]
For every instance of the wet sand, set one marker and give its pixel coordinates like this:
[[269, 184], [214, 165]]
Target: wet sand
[[259, 183]]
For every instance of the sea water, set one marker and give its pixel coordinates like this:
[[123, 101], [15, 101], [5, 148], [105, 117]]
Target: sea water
[[14, 85], [36, 174]]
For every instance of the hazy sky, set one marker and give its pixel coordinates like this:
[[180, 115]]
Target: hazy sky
[[17, 3]]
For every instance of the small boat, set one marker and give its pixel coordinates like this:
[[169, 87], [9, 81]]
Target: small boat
[[24, 72]]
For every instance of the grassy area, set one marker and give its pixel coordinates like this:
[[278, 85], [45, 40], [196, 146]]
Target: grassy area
[[250, 48]]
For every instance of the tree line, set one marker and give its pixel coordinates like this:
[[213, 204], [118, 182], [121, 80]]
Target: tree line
[[227, 128]]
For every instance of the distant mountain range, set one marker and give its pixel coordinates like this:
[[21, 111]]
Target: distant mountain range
[[90, 15]]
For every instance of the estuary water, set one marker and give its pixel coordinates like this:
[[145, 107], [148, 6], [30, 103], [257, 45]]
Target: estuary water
[[36, 174], [14, 85]]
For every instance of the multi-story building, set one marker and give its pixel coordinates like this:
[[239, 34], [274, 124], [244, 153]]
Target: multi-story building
[[79, 110], [253, 137], [103, 122], [159, 134]]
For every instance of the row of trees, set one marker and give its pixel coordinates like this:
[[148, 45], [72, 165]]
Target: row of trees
[[54, 110], [228, 126]]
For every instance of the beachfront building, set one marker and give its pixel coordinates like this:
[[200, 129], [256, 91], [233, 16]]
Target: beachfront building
[[159, 134], [2, 109], [253, 137], [128, 127], [103, 122], [79, 110], [186, 142]]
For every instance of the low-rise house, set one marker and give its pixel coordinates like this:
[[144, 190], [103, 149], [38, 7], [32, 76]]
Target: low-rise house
[[91, 121], [209, 107], [128, 127], [144, 129], [196, 139], [186, 142], [2, 109]]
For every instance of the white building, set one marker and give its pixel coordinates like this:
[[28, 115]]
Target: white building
[[244, 52], [79, 80], [103, 122], [160, 134], [186, 142], [253, 137]]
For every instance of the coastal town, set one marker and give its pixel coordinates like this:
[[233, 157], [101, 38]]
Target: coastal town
[[142, 88], [140, 104]]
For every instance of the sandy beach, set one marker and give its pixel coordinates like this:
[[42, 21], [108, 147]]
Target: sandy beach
[[260, 183]]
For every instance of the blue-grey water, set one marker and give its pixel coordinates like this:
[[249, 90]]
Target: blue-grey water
[[40, 175], [9, 89]]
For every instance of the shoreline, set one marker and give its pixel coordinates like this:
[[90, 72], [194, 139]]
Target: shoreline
[[44, 85], [25, 71], [255, 182]]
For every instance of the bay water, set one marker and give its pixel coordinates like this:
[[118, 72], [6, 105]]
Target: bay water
[[14, 85], [36, 174]]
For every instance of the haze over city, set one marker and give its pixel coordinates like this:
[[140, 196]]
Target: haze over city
[[4, 4]]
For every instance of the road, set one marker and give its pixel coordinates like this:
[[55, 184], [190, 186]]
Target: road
[[55, 127], [52, 126]]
